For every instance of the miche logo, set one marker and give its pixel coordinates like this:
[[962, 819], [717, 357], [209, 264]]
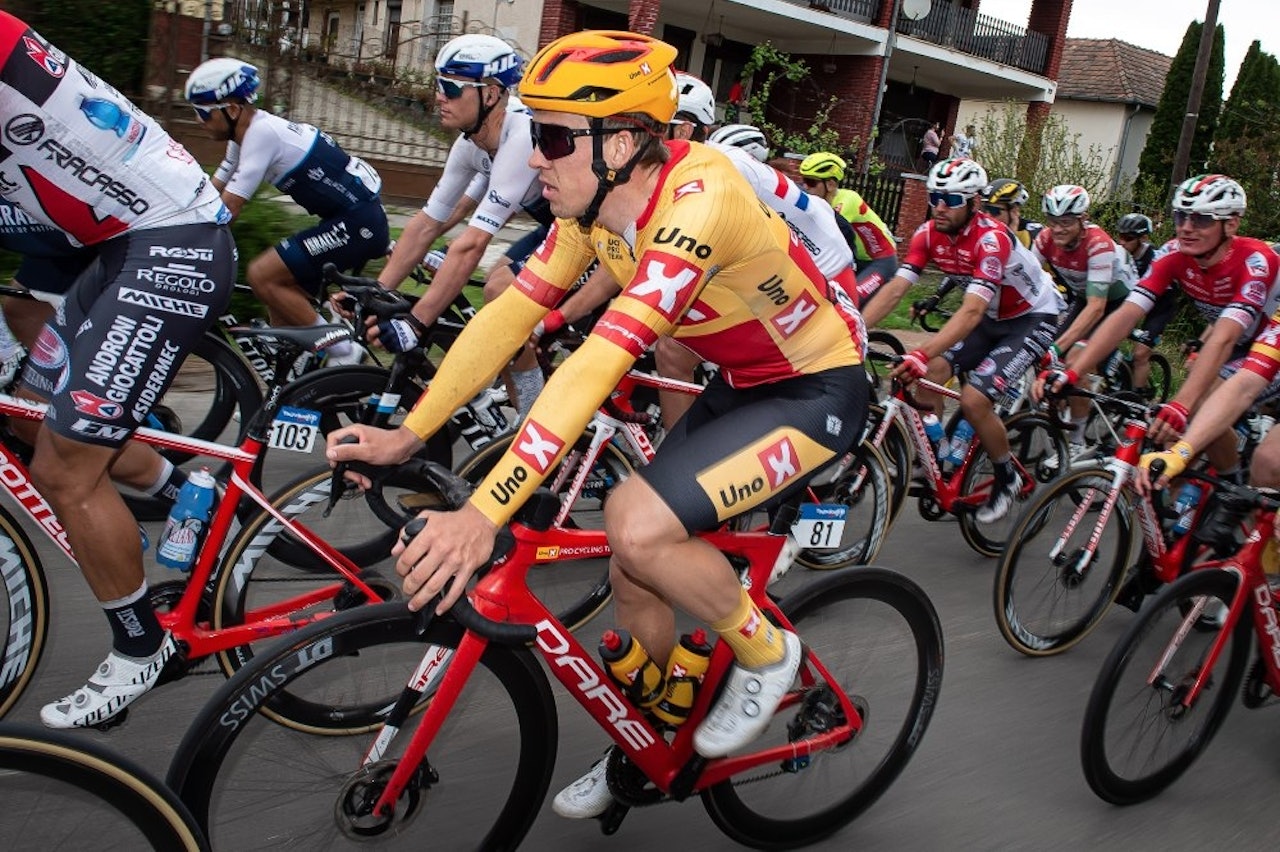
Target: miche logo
[[664, 282], [25, 129], [538, 447]]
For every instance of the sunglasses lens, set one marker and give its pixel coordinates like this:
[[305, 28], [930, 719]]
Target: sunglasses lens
[[949, 199], [448, 88], [203, 114], [1197, 220], [553, 140], [993, 210]]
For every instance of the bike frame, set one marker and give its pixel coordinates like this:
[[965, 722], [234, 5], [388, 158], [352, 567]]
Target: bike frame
[[200, 639], [1253, 591], [503, 595]]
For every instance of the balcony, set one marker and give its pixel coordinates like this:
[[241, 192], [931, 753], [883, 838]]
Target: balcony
[[978, 35]]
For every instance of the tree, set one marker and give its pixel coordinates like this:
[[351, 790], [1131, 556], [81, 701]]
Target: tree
[[1156, 161], [1004, 133], [1248, 144], [1250, 111], [109, 38], [767, 69]]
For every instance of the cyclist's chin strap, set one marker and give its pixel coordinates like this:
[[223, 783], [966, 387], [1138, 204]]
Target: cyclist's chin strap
[[483, 113], [606, 177]]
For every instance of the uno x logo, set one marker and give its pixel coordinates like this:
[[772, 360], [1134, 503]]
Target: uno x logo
[[537, 451], [780, 462], [802, 307], [665, 282]]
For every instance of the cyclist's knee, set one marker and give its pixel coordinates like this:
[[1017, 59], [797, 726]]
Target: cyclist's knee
[[674, 360], [1264, 467], [498, 280], [67, 471], [638, 522]]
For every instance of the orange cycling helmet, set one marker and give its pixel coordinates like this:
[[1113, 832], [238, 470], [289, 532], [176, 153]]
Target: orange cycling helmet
[[601, 73]]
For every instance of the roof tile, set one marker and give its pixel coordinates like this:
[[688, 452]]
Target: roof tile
[[1112, 70]]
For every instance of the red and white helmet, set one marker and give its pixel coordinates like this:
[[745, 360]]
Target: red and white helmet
[[1066, 199], [957, 174], [1212, 195]]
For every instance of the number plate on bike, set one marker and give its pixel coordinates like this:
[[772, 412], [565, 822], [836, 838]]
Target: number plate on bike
[[294, 429], [820, 525]]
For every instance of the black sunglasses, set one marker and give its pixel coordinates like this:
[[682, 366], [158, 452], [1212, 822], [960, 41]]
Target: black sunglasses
[[811, 182], [555, 140], [994, 209], [453, 89]]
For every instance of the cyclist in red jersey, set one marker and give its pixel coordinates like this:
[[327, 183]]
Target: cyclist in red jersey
[[702, 259], [1232, 281], [78, 156], [1003, 326]]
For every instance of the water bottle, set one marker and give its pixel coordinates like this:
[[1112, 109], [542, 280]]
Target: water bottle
[[688, 663], [187, 521], [1185, 505], [631, 668], [933, 428], [106, 115], [960, 440]]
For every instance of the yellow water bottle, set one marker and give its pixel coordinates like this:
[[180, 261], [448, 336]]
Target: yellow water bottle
[[631, 668], [688, 663]]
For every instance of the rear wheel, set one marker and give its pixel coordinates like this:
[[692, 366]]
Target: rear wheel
[[24, 611], [1141, 731], [878, 635], [867, 489], [485, 776]]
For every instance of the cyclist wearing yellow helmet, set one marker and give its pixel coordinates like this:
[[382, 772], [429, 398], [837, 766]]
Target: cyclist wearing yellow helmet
[[699, 258], [1002, 200], [875, 252]]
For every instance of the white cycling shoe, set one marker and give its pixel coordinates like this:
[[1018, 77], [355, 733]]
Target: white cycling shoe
[[748, 702], [587, 797], [117, 683]]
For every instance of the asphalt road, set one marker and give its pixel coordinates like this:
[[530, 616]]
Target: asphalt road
[[998, 768]]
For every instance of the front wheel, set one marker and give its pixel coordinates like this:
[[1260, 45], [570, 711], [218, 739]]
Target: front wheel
[[24, 611], [1034, 439], [878, 635], [1142, 729], [61, 792], [1063, 566], [252, 784]]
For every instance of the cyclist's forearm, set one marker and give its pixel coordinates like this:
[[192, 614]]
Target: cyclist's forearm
[[1105, 338], [485, 345], [453, 274], [416, 238], [1223, 408], [599, 288], [885, 300]]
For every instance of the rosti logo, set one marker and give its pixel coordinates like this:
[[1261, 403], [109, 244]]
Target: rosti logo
[[96, 406], [992, 268], [1253, 292], [780, 462], [664, 282], [538, 447]]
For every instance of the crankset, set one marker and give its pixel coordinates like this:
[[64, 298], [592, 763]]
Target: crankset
[[1256, 692]]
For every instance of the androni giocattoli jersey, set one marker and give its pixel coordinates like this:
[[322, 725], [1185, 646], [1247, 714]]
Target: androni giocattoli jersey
[[1094, 267], [1242, 286], [1002, 271], [302, 162], [77, 155], [706, 262]]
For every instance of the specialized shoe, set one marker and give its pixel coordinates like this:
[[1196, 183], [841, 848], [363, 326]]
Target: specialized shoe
[[1000, 501], [354, 356], [1078, 455], [747, 703], [587, 797], [118, 682]]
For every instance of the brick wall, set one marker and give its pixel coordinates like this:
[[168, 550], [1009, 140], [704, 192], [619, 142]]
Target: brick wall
[[1050, 17], [559, 17], [642, 17], [914, 210]]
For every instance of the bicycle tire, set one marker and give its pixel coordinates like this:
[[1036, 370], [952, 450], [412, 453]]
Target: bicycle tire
[[70, 793], [234, 761], [252, 576], [1160, 379], [213, 397], [1033, 438], [24, 611], [1045, 601], [899, 454], [340, 395], [892, 662], [870, 516], [1120, 709], [576, 590]]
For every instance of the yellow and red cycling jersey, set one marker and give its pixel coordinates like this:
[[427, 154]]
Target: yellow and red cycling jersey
[[706, 262]]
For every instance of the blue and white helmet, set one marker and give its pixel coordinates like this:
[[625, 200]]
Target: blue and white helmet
[[221, 81], [480, 57]]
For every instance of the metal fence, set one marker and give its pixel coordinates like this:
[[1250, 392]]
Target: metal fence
[[954, 26], [883, 192]]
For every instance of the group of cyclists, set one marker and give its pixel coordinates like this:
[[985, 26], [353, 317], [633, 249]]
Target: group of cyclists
[[675, 229]]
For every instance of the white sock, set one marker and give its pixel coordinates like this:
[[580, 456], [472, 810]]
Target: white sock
[[528, 385]]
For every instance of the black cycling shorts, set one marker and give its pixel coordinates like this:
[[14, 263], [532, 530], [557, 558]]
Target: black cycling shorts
[[737, 449], [113, 350], [997, 353], [349, 241]]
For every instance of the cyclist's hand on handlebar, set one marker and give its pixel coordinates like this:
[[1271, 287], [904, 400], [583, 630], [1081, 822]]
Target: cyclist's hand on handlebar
[[373, 445], [343, 305], [447, 551], [915, 364], [1053, 381], [1170, 421], [1175, 460], [400, 333]]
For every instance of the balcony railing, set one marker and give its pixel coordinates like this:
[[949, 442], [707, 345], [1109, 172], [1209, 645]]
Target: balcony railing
[[955, 27]]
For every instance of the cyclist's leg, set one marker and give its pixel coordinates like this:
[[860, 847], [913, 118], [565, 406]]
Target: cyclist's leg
[[674, 361], [102, 382], [1153, 326]]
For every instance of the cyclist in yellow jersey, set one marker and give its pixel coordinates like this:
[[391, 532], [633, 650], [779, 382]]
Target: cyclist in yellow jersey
[[700, 258]]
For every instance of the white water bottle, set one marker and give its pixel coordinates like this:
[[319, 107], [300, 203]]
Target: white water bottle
[[187, 521]]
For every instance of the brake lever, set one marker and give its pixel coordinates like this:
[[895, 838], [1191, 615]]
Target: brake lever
[[338, 482]]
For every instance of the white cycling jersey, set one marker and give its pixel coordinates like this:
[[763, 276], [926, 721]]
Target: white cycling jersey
[[507, 183], [810, 218], [77, 155], [300, 161]]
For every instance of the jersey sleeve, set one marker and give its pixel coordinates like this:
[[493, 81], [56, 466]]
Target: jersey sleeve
[[990, 257], [508, 184], [454, 180], [227, 168], [256, 152], [1160, 276], [1259, 274], [1264, 355], [1100, 266], [917, 256]]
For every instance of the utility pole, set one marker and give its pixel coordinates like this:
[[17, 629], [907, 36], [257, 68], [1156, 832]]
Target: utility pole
[[1183, 155]]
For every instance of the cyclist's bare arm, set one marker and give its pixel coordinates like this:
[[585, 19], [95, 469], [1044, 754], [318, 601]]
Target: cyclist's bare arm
[[414, 242], [464, 255], [235, 203], [1217, 347], [1105, 338], [1094, 308], [885, 300], [599, 288]]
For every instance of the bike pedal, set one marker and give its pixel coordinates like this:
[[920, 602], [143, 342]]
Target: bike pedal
[[611, 819], [115, 721]]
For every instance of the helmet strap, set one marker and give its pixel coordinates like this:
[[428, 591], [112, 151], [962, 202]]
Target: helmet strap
[[607, 178], [481, 115]]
